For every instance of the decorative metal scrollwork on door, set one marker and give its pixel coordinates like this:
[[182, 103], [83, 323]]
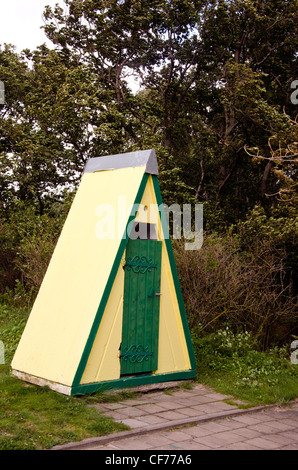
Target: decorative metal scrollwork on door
[[139, 264], [135, 354]]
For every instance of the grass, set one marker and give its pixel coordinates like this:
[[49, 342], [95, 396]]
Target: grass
[[33, 417], [232, 364]]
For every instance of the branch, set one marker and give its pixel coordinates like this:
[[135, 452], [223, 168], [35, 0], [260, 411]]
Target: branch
[[201, 180], [272, 49]]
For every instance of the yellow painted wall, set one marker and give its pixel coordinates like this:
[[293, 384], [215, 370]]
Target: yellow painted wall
[[62, 316], [172, 348], [104, 363]]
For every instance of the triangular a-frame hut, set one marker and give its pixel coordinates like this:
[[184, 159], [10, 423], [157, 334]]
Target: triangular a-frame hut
[[109, 313]]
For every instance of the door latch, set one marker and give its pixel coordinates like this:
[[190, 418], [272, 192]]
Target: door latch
[[151, 292]]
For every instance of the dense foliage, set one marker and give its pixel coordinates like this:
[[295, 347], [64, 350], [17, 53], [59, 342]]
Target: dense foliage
[[214, 100]]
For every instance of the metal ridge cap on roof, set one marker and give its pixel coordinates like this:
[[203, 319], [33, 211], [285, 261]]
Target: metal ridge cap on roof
[[124, 160]]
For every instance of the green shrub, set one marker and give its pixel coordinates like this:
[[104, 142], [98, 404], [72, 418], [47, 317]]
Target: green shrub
[[27, 243], [246, 289], [12, 324]]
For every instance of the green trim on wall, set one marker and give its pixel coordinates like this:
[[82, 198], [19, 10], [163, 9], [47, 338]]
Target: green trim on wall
[[174, 272], [108, 288], [128, 382], [79, 389]]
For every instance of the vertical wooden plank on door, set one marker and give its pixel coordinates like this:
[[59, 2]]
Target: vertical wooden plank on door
[[139, 347]]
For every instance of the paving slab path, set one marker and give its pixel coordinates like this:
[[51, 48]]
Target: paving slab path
[[195, 419]]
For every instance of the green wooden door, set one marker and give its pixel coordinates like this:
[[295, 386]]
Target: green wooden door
[[139, 346]]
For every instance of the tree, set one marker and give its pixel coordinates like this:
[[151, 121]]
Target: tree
[[253, 59], [213, 75], [55, 117], [283, 162]]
